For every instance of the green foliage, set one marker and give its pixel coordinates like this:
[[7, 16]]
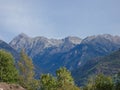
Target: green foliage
[[48, 82], [117, 82], [64, 76], [103, 82], [90, 84], [100, 82], [8, 72], [108, 65], [62, 81], [65, 80], [26, 71]]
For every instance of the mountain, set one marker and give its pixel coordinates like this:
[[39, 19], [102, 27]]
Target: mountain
[[108, 65], [7, 47], [71, 52], [44, 52], [37, 45], [91, 47]]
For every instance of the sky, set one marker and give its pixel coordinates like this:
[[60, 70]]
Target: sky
[[59, 18]]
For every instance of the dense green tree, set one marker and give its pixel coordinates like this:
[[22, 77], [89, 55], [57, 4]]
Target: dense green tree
[[90, 84], [48, 82], [62, 81], [65, 80], [26, 72], [64, 76], [8, 72], [100, 82], [103, 82]]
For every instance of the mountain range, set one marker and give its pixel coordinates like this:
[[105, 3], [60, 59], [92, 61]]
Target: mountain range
[[80, 56]]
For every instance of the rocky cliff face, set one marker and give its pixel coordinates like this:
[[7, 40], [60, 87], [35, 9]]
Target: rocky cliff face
[[38, 45]]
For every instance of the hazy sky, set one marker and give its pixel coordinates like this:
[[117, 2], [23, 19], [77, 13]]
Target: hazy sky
[[59, 18]]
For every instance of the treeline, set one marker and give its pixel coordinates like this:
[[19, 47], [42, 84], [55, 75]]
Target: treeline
[[22, 72], [102, 82]]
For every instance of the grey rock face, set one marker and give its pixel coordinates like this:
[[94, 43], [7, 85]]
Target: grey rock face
[[114, 39], [38, 45], [91, 47], [46, 53]]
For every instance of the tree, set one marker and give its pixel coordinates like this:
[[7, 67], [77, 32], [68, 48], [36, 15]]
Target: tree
[[65, 80], [48, 82], [26, 72], [8, 71], [90, 84], [100, 82], [64, 76], [103, 82], [117, 81], [62, 81]]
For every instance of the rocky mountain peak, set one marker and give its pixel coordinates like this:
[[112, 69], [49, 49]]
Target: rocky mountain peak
[[38, 44], [74, 40], [23, 35], [101, 39]]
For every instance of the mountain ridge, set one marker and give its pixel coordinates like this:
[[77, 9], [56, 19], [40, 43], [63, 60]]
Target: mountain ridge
[[42, 50], [71, 52], [24, 41]]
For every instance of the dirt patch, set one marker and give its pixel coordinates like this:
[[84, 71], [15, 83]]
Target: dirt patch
[[5, 86]]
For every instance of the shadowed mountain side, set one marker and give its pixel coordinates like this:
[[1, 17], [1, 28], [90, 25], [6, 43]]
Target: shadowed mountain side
[[71, 52], [7, 47], [108, 65]]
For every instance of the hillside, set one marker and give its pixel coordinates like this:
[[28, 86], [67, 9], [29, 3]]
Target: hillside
[[108, 65], [7, 47]]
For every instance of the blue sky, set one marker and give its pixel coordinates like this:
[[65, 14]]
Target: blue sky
[[59, 18]]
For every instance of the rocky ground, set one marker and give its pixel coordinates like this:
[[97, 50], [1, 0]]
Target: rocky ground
[[4, 86]]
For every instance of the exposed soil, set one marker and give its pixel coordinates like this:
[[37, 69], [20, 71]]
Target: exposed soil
[[5, 86]]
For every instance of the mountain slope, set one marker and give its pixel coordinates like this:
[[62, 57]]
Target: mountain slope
[[89, 48], [7, 47], [72, 52], [45, 52], [37, 45], [108, 65]]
